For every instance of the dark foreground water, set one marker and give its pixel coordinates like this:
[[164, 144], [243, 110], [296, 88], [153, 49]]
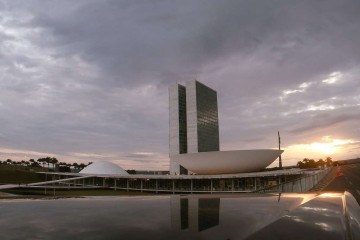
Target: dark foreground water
[[157, 217]]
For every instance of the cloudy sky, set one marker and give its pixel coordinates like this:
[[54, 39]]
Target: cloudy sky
[[87, 80]]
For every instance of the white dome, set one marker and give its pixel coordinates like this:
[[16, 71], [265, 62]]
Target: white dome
[[103, 167]]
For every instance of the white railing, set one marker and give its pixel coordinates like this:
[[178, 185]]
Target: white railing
[[302, 184]]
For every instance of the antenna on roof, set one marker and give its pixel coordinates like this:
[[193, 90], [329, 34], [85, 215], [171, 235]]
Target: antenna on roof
[[280, 162]]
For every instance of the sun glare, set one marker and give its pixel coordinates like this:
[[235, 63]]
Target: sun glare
[[326, 148]]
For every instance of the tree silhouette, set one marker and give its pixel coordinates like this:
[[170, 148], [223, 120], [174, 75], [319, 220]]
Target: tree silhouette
[[82, 166], [76, 166], [54, 161], [328, 161], [311, 163], [40, 161], [320, 163]]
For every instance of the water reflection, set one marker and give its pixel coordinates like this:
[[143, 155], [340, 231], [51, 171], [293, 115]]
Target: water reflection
[[195, 214], [323, 215], [171, 217], [184, 213]]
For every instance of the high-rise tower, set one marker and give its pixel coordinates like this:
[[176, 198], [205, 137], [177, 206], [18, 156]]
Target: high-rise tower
[[193, 121], [177, 120]]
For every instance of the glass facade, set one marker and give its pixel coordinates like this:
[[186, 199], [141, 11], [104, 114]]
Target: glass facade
[[207, 118], [191, 117], [202, 118], [193, 121], [182, 120]]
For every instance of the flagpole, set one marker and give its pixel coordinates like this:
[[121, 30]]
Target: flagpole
[[280, 162]]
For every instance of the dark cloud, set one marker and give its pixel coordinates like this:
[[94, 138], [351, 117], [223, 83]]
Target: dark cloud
[[325, 120], [90, 76]]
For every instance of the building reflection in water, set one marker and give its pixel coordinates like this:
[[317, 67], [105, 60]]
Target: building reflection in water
[[194, 213], [184, 213]]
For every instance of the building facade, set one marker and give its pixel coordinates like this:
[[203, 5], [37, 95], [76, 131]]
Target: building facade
[[177, 120], [193, 121], [202, 118]]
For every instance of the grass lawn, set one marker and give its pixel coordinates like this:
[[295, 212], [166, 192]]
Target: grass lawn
[[19, 174], [10, 174]]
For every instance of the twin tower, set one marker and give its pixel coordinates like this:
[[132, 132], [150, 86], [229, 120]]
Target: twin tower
[[193, 121]]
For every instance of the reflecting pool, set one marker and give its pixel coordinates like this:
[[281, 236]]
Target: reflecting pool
[[163, 217]]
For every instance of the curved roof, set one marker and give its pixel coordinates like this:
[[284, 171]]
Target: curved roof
[[224, 162], [103, 167]]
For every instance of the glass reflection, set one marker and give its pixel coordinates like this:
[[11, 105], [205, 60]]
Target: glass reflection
[[319, 216], [265, 216], [184, 213], [196, 214]]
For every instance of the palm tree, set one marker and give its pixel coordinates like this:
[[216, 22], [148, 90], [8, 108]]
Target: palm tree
[[320, 163], [53, 161], [76, 166], [40, 161], [328, 161], [33, 163], [61, 164], [48, 161], [300, 164], [82, 166]]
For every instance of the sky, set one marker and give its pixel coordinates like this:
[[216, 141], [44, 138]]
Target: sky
[[88, 80]]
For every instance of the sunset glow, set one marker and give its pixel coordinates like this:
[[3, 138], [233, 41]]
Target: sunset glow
[[324, 147], [327, 145]]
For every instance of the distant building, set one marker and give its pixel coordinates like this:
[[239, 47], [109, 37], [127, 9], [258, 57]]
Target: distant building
[[193, 121], [194, 136]]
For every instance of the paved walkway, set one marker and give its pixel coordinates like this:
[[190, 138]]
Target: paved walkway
[[8, 186], [347, 179], [325, 181]]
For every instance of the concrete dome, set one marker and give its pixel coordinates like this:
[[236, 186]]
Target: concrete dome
[[227, 162], [106, 168]]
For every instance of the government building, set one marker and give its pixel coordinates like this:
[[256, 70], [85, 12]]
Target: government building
[[194, 145], [196, 163], [193, 122]]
